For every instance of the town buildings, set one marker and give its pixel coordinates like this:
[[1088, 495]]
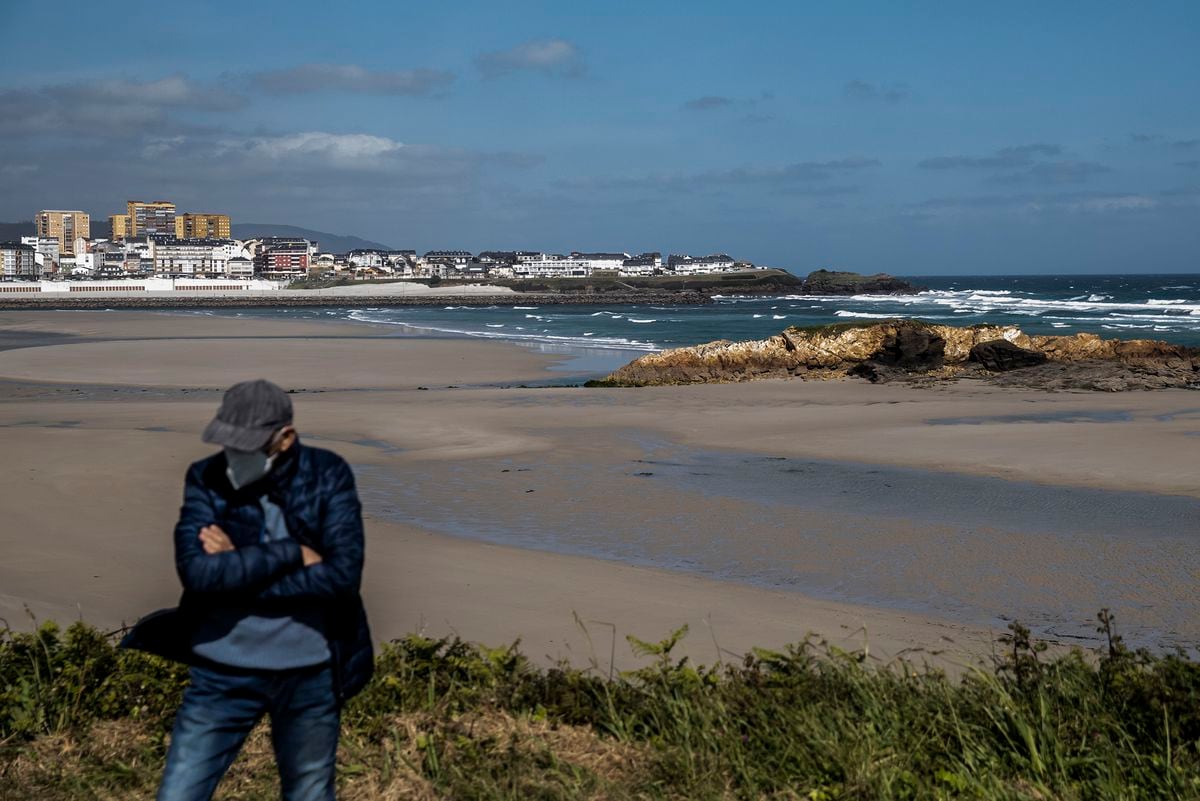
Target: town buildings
[[699, 265], [118, 227], [202, 226], [17, 260], [552, 265], [152, 239], [643, 264], [46, 252], [239, 267], [283, 257], [150, 218], [450, 258], [65, 226], [208, 258], [600, 262]]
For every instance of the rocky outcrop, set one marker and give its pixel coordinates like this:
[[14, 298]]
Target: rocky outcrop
[[908, 349], [828, 282], [1000, 356]]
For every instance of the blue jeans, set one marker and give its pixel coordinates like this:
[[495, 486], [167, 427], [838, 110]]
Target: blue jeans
[[222, 705]]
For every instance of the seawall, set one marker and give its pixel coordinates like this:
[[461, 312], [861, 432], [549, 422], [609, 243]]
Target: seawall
[[294, 298]]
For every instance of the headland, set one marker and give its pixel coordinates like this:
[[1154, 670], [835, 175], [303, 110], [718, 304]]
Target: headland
[[921, 353]]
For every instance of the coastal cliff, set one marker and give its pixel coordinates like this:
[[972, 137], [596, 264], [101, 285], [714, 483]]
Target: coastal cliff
[[915, 351]]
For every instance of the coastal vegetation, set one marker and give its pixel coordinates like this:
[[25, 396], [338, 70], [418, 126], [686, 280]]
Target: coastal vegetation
[[80, 719]]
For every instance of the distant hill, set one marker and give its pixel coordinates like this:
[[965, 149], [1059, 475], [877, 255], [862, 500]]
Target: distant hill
[[12, 232], [330, 243]]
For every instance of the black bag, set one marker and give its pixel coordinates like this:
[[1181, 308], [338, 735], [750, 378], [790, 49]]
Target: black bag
[[166, 633]]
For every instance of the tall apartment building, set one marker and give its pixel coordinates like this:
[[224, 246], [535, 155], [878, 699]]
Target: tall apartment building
[[65, 226], [202, 226], [146, 219], [119, 227]]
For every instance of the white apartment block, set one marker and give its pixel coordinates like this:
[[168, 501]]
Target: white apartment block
[[700, 265], [240, 267], [642, 265], [366, 258], [192, 257], [17, 260], [45, 251], [603, 261], [553, 266]]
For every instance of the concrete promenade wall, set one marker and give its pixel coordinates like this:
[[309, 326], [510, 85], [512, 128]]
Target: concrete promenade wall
[[195, 294], [146, 286]]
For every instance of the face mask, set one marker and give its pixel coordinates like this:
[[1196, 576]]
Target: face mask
[[246, 467]]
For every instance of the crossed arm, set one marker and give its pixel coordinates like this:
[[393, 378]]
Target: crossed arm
[[208, 562]]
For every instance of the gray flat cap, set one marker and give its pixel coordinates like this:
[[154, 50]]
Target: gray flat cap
[[250, 413]]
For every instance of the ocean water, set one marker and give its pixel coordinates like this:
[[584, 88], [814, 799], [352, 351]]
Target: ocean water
[[1163, 307]]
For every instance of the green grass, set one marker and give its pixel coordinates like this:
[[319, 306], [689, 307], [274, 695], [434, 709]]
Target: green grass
[[446, 719]]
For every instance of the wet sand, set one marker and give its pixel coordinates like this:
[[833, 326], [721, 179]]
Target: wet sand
[[97, 431]]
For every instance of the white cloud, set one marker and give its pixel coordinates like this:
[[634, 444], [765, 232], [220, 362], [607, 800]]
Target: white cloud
[[340, 150], [556, 57]]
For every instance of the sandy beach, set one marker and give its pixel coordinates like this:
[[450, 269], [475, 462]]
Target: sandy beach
[[499, 512]]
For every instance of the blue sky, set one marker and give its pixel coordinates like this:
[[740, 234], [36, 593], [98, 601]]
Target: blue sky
[[914, 138]]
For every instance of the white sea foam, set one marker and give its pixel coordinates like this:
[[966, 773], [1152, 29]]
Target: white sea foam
[[1000, 302], [778, 316], [494, 325], [846, 313], [608, 343], [642, 321]]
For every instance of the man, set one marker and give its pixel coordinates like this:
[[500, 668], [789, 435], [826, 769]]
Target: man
[[269, 548]]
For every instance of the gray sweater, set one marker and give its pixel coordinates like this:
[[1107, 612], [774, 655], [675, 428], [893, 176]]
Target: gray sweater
[[275, 640]]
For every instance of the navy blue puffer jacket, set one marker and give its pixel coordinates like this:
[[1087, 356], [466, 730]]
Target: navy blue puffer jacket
[[315, 489]]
